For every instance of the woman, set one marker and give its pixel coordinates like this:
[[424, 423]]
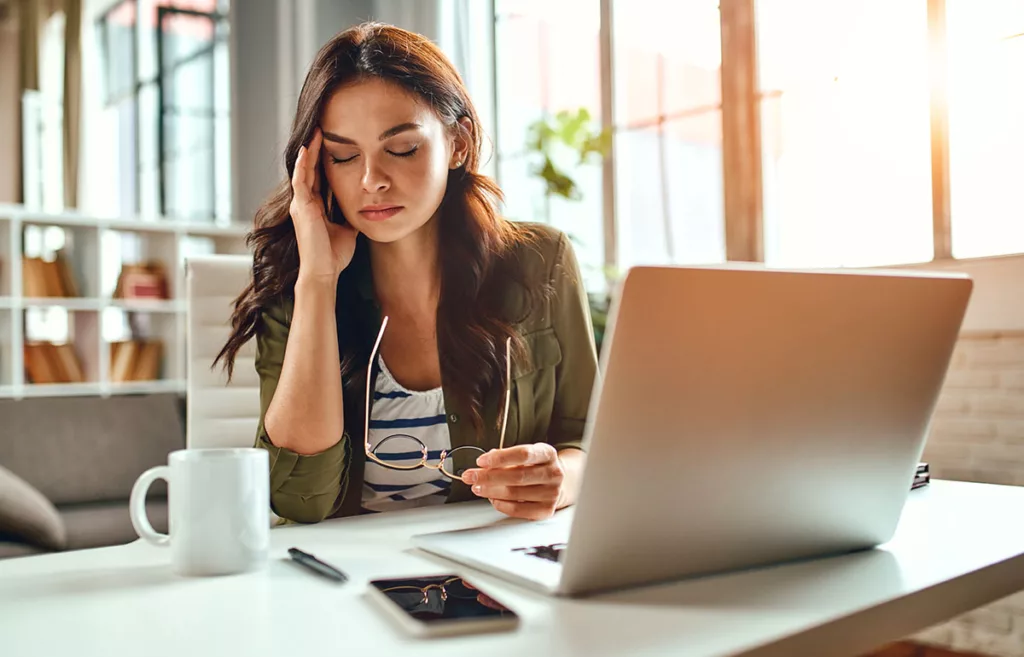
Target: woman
[[463, 340]]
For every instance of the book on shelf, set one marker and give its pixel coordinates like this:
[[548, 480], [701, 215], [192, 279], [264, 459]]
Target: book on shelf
[[48, 278], [135, 360], [146, 280], [46, 362]]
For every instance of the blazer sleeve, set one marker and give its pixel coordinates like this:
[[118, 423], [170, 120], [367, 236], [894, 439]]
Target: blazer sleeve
[[303, 488]]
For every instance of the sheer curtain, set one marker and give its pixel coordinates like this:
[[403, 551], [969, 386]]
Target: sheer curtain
[[34, 18]]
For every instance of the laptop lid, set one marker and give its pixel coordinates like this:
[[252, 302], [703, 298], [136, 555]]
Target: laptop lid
[[746, 416]]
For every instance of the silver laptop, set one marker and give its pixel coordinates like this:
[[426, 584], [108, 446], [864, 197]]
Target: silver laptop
[[743, 416]]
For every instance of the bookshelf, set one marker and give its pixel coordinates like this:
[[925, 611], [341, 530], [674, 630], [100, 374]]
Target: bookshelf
[[92, 324]]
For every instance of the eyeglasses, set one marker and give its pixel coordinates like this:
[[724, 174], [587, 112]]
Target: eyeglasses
[[409, 597], [406, 446]]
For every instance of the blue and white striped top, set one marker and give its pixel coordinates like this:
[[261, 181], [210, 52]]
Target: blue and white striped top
[[397, 411]]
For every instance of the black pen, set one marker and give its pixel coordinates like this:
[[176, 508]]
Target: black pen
[[317, 566]]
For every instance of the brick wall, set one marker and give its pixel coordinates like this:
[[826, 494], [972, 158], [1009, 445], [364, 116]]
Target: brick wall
[[978, 429], [977, 434]]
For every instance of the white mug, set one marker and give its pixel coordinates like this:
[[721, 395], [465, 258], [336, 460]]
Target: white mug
[[219, 508]]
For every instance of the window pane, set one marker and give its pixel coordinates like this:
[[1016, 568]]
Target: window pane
[[581, 221], [148, 96], [986, 128], [543, 66], [669, 65], [846, 144], [695, 196], [117, 34], [670, 192], [517, 58], [524, 192], [542, 69], [188, 117]]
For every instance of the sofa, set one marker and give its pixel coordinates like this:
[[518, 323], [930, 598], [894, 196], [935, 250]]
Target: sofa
[[67, 466]]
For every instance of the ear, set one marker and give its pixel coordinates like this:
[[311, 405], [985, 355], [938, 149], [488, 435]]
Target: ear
[[462, 140]]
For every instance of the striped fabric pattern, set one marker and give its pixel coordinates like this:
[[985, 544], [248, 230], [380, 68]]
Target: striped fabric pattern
[[397, 411]]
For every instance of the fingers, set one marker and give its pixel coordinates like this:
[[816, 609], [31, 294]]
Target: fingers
[[525, 510], [515, 476], [304, 177], [300, 188], [314, 159], [533, 454], [539, 493]]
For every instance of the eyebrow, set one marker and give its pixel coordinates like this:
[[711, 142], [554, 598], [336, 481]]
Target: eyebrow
[[387, 134]]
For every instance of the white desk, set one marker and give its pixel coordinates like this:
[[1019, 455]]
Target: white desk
[[956, 549]]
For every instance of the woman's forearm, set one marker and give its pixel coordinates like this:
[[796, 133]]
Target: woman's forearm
[[306, 414]]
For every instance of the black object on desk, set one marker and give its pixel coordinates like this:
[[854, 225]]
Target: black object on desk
[[317, 566], [922, 476]]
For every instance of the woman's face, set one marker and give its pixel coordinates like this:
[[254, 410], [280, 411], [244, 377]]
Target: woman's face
[[386, 157]]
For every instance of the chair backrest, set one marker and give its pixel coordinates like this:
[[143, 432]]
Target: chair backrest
[[218, 413]]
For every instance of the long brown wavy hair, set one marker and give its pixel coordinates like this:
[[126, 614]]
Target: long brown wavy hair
[[478, 262]]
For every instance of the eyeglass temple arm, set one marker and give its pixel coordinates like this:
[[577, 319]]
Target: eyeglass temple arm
[[369, 368], [369, 381], [508, 390]]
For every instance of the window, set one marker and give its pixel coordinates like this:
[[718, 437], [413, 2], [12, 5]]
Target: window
[[167, 81], [544, 68], [986, 126], [668, 132], [846, 166], [889, 132]]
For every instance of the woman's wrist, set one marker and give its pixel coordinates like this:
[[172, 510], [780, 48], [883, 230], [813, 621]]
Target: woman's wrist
[[316, 285]]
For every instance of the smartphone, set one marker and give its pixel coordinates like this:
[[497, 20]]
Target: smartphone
[[441, 605]]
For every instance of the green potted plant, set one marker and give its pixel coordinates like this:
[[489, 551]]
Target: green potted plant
[[558, 144]]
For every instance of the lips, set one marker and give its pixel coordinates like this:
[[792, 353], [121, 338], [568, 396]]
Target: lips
[[380, 212]]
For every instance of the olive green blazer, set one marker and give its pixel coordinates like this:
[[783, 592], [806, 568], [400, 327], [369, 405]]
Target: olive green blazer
[[551, 385]]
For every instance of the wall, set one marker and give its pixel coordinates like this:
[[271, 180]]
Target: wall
[[978, 430]]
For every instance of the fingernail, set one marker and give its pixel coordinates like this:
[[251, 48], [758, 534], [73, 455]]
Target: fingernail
[[482, 460], [469, 476], [476, 489]]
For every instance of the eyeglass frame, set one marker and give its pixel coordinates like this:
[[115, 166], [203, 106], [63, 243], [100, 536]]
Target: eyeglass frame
[[445, 453], [439, 586]]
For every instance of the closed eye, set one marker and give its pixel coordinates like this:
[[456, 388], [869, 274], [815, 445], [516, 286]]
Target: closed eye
[[408, 153]]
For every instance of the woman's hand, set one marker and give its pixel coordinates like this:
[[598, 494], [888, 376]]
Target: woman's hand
[[325, 248], [525, 481]]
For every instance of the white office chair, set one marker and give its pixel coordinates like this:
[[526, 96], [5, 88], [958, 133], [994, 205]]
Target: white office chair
[[218, 413]]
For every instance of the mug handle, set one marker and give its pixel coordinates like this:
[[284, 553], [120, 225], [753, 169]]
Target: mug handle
[[137, 505]]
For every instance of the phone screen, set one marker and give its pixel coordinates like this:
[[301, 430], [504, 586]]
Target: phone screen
[[441, 598]]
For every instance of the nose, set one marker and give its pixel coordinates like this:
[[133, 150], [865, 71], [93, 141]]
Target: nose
[[375, 179]]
